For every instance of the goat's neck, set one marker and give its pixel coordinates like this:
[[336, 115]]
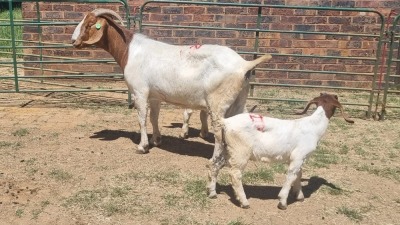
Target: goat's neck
[[117, 44], [318, 121]]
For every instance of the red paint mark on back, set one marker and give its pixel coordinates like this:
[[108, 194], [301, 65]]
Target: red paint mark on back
[[258, 121], [195, 46]]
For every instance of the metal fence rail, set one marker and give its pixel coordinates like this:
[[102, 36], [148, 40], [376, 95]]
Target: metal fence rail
[[259, 29], [21, 59], [25, 60]]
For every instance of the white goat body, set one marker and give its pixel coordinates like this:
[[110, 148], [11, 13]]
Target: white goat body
[[249, 136], [206, 77]]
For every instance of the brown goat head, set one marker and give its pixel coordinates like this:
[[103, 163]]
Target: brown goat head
[[92, 28], [329, 103]]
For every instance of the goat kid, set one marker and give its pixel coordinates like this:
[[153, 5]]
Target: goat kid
[[250, 136], [204, 77]]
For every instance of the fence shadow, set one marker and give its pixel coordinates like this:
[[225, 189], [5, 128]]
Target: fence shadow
[[169, 143], [271, 192]]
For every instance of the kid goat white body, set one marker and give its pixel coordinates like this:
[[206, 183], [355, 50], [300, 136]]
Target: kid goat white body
[[250, 136]]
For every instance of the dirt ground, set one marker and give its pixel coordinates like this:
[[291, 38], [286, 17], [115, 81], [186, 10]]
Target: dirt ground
[[66, 159]]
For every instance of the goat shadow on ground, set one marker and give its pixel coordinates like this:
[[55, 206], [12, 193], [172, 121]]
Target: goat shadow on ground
[[169, 143], [271, 192]]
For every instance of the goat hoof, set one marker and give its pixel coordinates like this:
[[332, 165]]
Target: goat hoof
[[212, 195], [245, 206], [204, 135], [142, 150], [183, 136], [281, 206]]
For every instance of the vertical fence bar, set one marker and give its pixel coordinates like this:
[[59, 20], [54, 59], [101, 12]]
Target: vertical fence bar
[[14, 49], [256, 45], [39, 28], [376, 66]]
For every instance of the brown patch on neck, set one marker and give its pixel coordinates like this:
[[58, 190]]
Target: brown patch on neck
[[116, 42]]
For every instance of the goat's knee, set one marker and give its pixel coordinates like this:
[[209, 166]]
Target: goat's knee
[[185, 126]]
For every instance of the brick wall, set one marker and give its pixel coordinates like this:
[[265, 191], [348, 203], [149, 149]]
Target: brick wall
[[241, 17]]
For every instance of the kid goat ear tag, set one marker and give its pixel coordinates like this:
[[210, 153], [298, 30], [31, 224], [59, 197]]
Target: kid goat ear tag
[[98, 26]]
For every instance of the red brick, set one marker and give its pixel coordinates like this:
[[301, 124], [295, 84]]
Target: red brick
[[315, 20], [326, 44], [281, 43], [203, 18], [336, 67], [63, 8], [282, 12], [297, 75], [214, 10], [181, 18], [362, 53], [172, 10], [74, 15], [194, 10], [236, 10], [159, 17], [304, 44], [236, 42], [183, 33]]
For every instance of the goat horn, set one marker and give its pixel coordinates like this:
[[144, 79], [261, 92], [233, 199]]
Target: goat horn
[[306, 108], [99, 12], [345, 117]]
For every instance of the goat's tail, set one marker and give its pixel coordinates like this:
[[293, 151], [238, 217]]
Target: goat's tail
[[254, 63]]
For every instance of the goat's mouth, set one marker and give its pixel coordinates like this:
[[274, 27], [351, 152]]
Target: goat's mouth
[[76, 44]]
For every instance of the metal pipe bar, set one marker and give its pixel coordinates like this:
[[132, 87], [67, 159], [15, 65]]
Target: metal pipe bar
[[315, 71], [310, 86], [65, 61], [259, 30], [14, 55], [70, 76], [298, 100]]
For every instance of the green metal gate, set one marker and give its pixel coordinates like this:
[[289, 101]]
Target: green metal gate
[[50, 79], [367, 103], [258, 33], [391, 89]]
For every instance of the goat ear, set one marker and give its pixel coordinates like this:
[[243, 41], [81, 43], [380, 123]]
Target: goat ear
[[96, 31]]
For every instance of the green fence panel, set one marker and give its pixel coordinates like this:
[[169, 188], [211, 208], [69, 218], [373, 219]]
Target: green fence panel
[[391, 82], [258, 30], [20, 57]]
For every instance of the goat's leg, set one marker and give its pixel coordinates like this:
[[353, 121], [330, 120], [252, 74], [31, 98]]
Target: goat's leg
[[236, 177], [185, 127], [215, 164], [141, 107], [204, 124], [154, 113], [298, 193], [291, 177]]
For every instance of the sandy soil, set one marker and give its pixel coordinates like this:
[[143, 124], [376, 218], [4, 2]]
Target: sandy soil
[[66, 159]]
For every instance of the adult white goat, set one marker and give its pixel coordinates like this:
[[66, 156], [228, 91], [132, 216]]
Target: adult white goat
[[207, 77], [250, 136]]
